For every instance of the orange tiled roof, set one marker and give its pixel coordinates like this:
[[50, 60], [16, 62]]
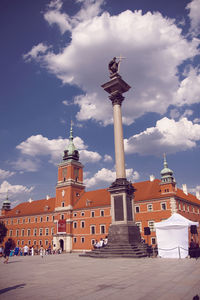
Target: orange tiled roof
[[32, 208], [93, 199], [145, 190]]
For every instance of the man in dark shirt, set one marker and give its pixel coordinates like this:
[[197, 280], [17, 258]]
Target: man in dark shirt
[[8, 246]]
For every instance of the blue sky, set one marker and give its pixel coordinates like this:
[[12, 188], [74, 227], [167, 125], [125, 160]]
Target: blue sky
[[54, 57]]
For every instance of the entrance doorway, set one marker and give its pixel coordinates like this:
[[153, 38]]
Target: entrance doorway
[[61, 244]]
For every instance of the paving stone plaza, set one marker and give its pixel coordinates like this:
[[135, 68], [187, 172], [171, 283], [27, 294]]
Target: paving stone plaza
[[68, 276]]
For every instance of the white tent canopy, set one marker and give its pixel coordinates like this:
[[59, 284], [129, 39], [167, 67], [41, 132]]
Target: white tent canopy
[[172, 236]]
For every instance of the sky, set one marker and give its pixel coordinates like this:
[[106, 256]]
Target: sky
[[54, 58]]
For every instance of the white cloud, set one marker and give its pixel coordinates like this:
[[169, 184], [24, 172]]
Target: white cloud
[[189, 89], [167, 136], [154, 47], [89, 9], [196, 120], [5, 174], [194, 8], [187, 113], [66, 103], [35, 52], [107, 158], [26, 165], [174, 113], [108, 176], [38, 145], [14, 191]]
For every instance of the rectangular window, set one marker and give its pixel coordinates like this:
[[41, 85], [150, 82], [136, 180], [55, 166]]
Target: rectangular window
[[63, 204], [137, 209], [34, 242], [52, 231], [92, 214], [149, 207], [75, 240], [153, 241], [82, 214], [92, 242], [28, 232], [22, 242], [74, 224], [163, 206], [92, 229], [22, 232], [82, 224], [35, 232], [23, 221], [151, 225], [46, 243], [102, 213], [102, 229], [188, 208], [18, 243], [139, 224], [47, 218], [41, 231], [82, 240], [41, 219], [11, 233], [18, 221], [62, 217], [76, 174], [29, 220], [47, 231], [53, 218], [179, 206], [29, 242], [40, 242], [36, 220], [17, 232]]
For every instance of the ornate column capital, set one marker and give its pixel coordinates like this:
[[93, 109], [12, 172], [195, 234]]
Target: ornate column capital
[[116, 98]]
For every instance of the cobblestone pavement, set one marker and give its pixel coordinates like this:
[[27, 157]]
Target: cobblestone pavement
[[68, 276]]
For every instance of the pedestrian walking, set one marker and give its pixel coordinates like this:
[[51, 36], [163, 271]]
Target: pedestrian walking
[[8, 246]]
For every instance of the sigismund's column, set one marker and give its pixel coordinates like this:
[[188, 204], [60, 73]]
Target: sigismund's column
[[123, 229]]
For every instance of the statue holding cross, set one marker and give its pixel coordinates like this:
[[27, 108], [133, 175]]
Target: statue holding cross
[[114, 65]]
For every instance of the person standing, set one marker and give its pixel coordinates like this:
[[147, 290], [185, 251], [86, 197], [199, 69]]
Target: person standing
[[8, 246], [26, 249]]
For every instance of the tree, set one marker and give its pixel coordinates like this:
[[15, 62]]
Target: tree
[[3, 232]]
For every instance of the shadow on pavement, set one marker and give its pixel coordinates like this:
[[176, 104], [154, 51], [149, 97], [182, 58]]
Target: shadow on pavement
[[12, 288]]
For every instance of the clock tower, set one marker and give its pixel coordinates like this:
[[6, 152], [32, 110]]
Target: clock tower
[[70, 178]]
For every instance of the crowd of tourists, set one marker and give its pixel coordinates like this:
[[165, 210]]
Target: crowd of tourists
[[9, 251]]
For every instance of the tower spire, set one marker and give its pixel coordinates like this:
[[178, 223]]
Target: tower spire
[[166, 173], [71, 152]]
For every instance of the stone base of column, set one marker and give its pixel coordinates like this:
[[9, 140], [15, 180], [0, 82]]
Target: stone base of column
[[123, 241]]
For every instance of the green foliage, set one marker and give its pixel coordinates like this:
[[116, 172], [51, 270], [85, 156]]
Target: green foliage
[[3, 231]]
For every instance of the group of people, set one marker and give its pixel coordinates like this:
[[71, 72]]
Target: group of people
[[194, 250], [101, 243], [9, 250]]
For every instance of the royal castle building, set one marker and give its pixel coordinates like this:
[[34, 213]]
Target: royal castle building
[[75, 218]]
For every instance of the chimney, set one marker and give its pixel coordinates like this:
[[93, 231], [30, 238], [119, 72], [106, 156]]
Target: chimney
[[198, 195], [184, 186], [47, 197], [151, 177]]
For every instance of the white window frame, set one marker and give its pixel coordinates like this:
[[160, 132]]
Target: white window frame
[[148, 207], [102, 226], [151, 225], [92, 214], [82, 214], [47, 231], [40, 231], [161, 205], [82, 240], [75, 224], [91, 227], [82, 222], [137, 206], [102, 213], [139, 224]]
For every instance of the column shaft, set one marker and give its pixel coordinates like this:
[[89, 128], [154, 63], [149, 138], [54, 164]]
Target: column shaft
[[119, 142]]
